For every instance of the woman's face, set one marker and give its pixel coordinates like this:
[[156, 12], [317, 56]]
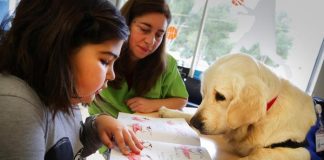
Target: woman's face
[[93, 67], [146, 34]]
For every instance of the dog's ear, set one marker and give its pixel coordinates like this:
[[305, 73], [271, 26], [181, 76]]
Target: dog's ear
[[248, 104]]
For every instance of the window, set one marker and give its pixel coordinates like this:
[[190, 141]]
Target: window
[[285, 35], [3, 8], [187, 19], [7, 6], [118, 3]]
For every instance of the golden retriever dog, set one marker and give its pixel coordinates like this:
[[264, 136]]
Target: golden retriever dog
[[258, 112]]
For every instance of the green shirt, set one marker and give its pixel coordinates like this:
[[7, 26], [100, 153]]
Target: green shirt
[[113, 101]]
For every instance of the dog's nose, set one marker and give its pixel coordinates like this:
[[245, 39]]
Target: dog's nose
[[196, 121]]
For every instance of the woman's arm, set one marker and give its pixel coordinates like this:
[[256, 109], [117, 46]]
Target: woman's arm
[[144, 105]]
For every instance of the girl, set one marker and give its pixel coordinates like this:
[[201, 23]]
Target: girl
[[59, 53]]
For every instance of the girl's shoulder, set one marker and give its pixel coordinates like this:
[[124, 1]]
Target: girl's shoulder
[[13, 86]]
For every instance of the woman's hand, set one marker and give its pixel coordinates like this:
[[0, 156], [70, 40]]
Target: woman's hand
[[142, 105], [109, 130], [145, 105]]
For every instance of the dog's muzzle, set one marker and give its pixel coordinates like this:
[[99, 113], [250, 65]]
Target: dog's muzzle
[[197, 122]]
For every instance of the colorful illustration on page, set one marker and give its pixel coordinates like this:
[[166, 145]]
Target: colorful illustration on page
[[140, 119], [190, 152], [136, 127], [134, 156], [171, 123], [178, 129], [147, 145]]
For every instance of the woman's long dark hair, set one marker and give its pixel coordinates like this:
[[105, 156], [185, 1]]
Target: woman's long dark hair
[[43, 36], [149, 69]]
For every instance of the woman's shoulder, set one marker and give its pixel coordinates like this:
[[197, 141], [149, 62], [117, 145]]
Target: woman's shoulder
[[171, 65], [171, 61], [170, 58]]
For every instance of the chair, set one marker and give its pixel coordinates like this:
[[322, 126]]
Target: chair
[[184, 72], [193, 88]]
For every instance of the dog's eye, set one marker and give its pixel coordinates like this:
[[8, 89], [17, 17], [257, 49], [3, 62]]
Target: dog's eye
[[219, 97]]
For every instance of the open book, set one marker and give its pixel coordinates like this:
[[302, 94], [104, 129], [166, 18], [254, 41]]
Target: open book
[[163, 139]]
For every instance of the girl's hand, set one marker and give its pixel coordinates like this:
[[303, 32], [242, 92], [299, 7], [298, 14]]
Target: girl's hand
[[237, 2], [109, 130]]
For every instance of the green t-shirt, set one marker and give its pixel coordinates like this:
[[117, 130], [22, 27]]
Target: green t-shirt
[[113, 101]]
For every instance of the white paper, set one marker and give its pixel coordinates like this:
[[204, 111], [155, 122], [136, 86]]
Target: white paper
[[164, 151], [163, 139]]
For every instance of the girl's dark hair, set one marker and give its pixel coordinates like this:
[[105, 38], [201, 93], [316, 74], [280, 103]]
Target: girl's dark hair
[[44, 34], [149, 69]]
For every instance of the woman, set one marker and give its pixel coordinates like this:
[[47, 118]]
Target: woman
[[146, 77], [59, 53]]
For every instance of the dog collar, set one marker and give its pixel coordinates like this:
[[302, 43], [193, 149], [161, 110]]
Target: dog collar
[[270, 103]]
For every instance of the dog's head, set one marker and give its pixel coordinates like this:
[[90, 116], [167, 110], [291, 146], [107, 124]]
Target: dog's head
[[233, 94]]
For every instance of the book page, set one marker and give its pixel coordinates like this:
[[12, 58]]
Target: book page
[[171, 130], [163, 151]]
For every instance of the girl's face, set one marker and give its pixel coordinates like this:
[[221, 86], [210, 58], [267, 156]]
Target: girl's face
[[93, 67], [146, 34]]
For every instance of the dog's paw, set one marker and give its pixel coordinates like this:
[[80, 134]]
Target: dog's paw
[[172, 113], [167, 113], [163, 112]]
